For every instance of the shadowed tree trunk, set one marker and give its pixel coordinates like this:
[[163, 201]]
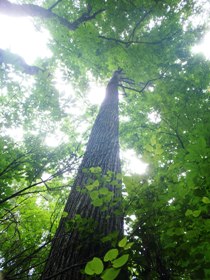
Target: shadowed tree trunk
[[71, 248]]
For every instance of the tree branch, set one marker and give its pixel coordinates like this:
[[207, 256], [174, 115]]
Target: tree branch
[[64, 270], [132, 83], [22, 191], [14, 59], [138, 23], [86, 16], [15, 163], [32, 10], [130, 42], [176, 133], [125, 87], [18, 263], [54, 5]]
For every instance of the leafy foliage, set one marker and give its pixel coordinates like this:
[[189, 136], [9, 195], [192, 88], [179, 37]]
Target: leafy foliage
[[114, 265], [167, 210]]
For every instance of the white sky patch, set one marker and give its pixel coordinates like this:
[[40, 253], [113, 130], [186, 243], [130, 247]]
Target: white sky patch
[[15, 133], [133, 164], [171, 201], [61, 84], [133, 217], [154, 117], [20, 36], [203, 47], [96, 94], [54, 140], [125, 118], [67, 96], [46, 176]]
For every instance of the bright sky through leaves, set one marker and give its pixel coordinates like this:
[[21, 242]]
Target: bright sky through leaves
[[22, 37], [203, 46]]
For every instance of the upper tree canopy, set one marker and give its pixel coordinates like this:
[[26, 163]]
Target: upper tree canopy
[[142, 37]]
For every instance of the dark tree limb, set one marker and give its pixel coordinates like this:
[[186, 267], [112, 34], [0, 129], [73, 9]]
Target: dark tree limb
[[32, 10], [129, 88], [64, 270], [139, 23], [19, 263], [130, 42], [7, 57], [134, 87], [21, 192], [177, 135], [20, 159], [54, 5]]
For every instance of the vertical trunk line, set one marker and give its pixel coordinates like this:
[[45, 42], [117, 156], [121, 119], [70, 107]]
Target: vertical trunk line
[[68, 247]]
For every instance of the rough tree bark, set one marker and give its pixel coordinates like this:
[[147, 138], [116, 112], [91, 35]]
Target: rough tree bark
[[70, 251]]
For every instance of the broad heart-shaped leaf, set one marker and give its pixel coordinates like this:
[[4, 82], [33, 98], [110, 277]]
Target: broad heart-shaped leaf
[[110, 274], [95, 266], [96, 183], [196, 213], [128, 245], [120, 261], [97, 202], [188, 212], [111, 255], [122, 242], [94, 195], [90, 187], [205, 200], [103, 191]]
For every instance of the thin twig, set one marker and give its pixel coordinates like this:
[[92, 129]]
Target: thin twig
[[54, 5]]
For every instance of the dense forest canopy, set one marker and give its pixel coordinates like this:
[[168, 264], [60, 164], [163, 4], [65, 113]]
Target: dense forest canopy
[[164, 117]]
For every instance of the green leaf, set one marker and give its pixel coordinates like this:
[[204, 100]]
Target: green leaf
[[153, 140], [128, 245], [196, 213], [179, 231], [95, 266], [103, 191], [188, 212], [97, 202], [120, 261], [111, 255], [110, 274], [95, 169], [64, 214], [96, 183], [149, 148], [94, 195], [90, 187], [119, 176], [205, 200], [159, 150], [122, 242]]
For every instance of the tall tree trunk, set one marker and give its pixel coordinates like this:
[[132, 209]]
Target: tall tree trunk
[[71, 249]]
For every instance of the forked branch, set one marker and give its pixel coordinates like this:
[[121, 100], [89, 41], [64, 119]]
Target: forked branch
[[21, 10]]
